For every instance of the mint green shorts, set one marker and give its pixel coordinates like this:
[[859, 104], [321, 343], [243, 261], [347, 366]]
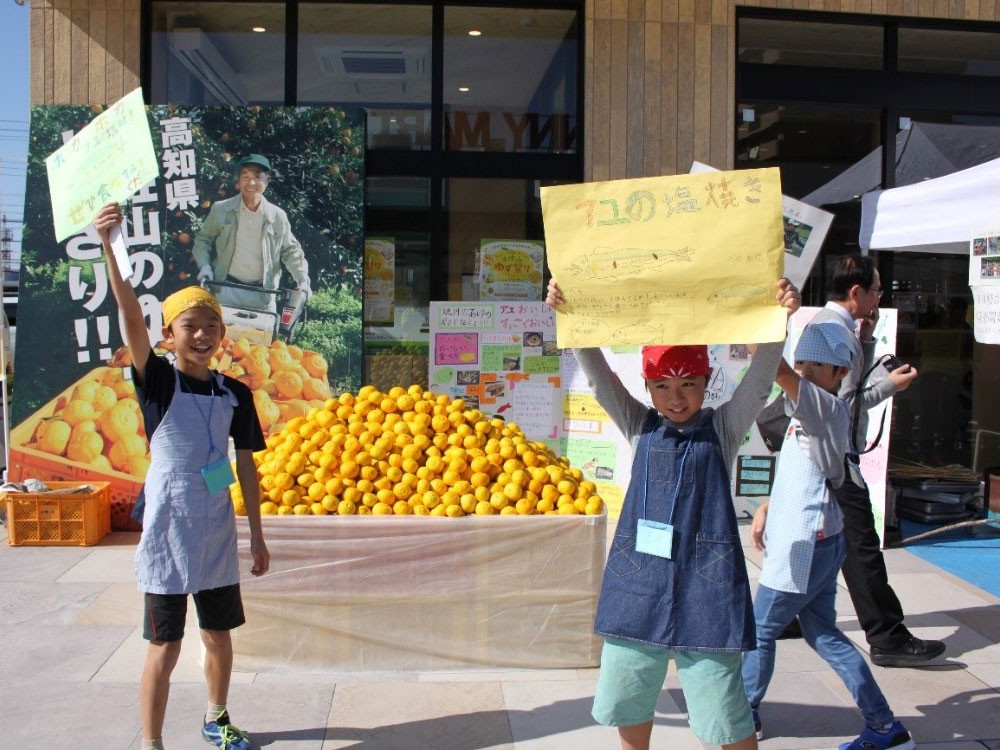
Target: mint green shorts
[[632, 676]]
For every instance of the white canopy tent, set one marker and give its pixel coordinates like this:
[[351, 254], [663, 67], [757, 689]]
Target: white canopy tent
[[935, 216]]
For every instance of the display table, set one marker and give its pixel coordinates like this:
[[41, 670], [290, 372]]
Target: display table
[[404, 593]]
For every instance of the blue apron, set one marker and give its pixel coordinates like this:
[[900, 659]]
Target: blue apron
[[798, 500], [699, 599], [188, 541]]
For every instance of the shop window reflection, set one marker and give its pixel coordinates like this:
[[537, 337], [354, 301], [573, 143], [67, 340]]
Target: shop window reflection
[[931, 421], [510, 80], [480, 210], [218, 53], [373, 55]]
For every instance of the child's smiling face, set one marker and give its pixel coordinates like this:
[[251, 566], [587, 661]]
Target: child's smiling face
[[678, 399], [196, 334]]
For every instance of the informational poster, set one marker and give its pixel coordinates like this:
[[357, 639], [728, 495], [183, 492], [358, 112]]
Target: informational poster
[[108, 160], [73, 368], [593, 443], [380, 280], [511, 270], [500, 358], [984, 280], [686, 259], [805, 228]]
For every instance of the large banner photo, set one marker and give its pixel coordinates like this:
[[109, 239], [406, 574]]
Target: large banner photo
[[293, 316]]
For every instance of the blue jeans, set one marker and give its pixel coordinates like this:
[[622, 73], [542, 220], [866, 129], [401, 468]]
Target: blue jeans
[[774, 610]]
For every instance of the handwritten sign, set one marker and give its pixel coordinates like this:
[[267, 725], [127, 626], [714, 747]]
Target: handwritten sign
[[108, 160], [689, 259], [986, 326], [456, 349], [805, 228]]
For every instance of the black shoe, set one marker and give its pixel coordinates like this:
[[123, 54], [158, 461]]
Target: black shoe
[[793, 630], [913, 653]]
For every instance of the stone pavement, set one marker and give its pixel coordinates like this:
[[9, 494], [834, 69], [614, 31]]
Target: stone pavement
[[72, 654]]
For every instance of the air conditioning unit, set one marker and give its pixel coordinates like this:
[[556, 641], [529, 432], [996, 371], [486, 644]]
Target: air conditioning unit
[[371, 64], [204, 61]]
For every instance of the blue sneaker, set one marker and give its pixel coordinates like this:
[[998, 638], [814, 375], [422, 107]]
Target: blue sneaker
[[897, 738], [224, 735], [758, 728]]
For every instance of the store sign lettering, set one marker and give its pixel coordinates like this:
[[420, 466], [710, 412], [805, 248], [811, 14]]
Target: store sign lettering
[[509, 131]]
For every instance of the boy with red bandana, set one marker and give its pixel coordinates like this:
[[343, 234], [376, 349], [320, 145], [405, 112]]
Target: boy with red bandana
[[675, 583]]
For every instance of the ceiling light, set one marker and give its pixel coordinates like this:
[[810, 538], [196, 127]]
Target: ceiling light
[[475, 32], [463, 88], [259, 29]]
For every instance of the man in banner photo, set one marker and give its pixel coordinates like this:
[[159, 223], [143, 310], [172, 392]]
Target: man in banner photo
[[69, 341], [246, 238], [689, 259]]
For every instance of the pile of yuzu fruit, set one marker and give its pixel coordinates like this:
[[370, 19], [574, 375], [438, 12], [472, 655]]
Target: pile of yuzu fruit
[[412, 452]]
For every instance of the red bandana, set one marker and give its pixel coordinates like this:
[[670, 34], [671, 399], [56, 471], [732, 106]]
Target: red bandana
[[674, 362]]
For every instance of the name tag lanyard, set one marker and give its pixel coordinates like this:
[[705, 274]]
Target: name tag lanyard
[[218, 474], [653, 537]]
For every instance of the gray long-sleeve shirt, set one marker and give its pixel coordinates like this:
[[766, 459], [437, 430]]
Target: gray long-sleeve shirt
[[862, 358], [731, 420]]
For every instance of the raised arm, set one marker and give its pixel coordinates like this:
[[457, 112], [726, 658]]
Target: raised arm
[[735, 417], [136, 335]]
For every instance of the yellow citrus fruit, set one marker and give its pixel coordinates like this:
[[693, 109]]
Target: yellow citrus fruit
[[78, 410], [54, 435], [85, 448], [123, 451], [119, 422]]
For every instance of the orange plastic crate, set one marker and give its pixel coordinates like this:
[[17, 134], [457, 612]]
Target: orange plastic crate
[[51, 519]]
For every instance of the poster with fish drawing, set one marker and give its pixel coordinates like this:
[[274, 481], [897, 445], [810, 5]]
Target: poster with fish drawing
[[686, 259]]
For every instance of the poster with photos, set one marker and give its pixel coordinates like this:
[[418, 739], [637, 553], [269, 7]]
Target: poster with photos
[[984, 280], [500, 358]]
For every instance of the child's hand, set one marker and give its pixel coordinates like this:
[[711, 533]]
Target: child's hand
[[107, 218], [554, 297], [788, 296], [261, 557]]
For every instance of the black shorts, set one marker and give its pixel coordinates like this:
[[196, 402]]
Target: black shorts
[[165, 614]]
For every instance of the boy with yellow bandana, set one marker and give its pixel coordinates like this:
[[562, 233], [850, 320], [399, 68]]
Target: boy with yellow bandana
[[188, 543]]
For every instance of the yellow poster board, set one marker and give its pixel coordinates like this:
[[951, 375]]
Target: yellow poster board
[[109, 160], [686, 259]]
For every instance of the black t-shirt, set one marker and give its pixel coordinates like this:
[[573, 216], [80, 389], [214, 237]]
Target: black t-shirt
[[157, 391]]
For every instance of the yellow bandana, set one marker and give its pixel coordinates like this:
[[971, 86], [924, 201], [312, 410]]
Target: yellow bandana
[[185, 299]]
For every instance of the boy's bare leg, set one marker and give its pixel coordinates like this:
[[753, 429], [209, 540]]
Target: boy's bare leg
[[636, 736], [154, 687], [218, 664], [750, 743]]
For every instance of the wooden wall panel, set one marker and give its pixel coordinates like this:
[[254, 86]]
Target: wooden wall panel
[[660, 84], [83, 51], [635, 109], [618, 101]]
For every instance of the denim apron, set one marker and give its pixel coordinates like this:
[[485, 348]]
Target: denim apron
[[699, 600], [188, 541], [794, 517]]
